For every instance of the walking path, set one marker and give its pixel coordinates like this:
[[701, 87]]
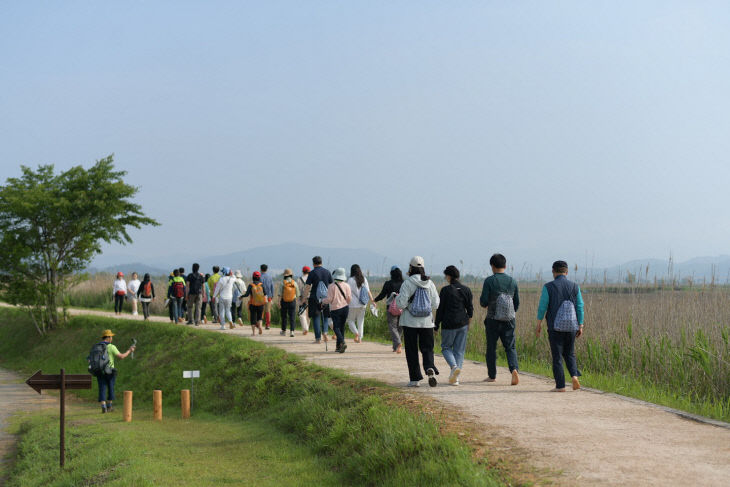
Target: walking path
[[588, 437]]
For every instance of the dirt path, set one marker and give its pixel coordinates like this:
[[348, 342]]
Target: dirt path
[[591, 437], [16, 396]]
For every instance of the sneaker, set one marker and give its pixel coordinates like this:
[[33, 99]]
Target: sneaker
[[109, 408], [188, 322], [268, 327], [576, 383], [222, 327], [414, 383], [282, 332], [103, 409], [291, 334], [343, 348], [455, 383], [431, 378], [515, 377], [454, 376], [197, 324], [231, 325]]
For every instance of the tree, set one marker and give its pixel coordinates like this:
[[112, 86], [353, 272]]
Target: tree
[[52, 225]]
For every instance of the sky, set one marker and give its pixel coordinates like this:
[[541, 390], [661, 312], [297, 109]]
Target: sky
[[589, 131]]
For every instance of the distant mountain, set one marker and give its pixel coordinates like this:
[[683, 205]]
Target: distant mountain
[[127, 269]]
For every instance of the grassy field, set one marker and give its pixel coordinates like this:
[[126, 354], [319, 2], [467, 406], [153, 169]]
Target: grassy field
[[356, 428]]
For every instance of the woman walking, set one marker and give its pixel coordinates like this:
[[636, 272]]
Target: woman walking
[[338, 298], [303, 316], [418, 299], [132, 289], [288, 304], [453, 315], [257, 299], [358, 305], [390, 291], [146, 294], [224, 297], [120, 291], [206, 299]]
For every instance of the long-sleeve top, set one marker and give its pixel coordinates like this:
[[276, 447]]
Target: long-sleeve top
[[249, 290], [296, 288], [302, 284], [140, 290], [224, 288], [335, 298], [456, 307], [407, 290], [544, 304], [120, 286], [268, 283], [389, 288], [493, 286]]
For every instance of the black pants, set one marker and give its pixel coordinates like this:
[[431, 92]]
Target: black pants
[[288, 314], [505, 332], [339, 318], [237, 311], [118, 302], [146, 309], [562, 346], [418, 339], [202, 309]]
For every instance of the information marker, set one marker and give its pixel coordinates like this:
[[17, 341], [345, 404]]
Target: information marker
[[192, 375]]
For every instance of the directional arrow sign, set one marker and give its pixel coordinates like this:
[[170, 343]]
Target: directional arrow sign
[[40, 381]]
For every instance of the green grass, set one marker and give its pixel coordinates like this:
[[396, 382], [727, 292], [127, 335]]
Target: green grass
[[353, 425], [103, 450]]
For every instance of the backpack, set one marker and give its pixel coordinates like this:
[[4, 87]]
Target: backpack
[[178, 289], [393, 308], [196, 283], [321, 291], [290, 291], [504, 308], [363, 296], [420, 306], [258, 298], [147, 290], [99, 359], [566, 319]]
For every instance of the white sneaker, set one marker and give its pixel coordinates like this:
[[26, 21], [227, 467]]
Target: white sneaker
[[456, 383], [414, 383], [291, 334], [454, 376], [135, 313]]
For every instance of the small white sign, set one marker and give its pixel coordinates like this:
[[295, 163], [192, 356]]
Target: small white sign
[[191, 374]]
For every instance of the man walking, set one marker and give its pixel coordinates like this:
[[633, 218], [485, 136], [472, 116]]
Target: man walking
[[101, 364], [318, 312], [562, 304], [212, 281], [502, 299], [268, 284], [176, 295], [195, 294]]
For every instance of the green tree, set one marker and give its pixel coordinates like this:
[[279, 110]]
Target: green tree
[[52, 225]]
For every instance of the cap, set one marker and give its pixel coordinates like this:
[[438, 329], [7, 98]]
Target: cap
[[339, 274], [393, 268], [120, 274], [417, 261], [257, 275], [288, 273], [306, 269], [107, 333]]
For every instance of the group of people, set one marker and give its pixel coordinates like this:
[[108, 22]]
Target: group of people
[[416, 310]]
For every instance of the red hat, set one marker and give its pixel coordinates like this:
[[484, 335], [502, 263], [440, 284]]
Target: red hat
[[306, 269], [120, 274], [257, 275]]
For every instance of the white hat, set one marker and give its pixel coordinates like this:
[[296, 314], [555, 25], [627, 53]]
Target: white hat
[[238, 274], [417, 261], [340, 274]]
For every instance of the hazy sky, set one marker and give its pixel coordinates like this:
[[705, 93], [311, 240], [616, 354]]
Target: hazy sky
[[576, 130]]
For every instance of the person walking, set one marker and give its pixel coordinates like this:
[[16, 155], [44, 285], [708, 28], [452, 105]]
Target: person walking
[[289, 299], [195, 283], [256, 302], [501, 297], [302, 304], [358, 305], [268, 284], [224, 296], [132, 289], [418, 299], [206, 300], [318, 312], [176, 294], [212, 281], [119, 292], [239, 287], [453, 315], [562, 303], [339, 296], [390, 290], [102, 365], [146, 294]]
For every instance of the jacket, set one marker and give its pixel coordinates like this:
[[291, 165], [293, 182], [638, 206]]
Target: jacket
[[456, 308], [389, 288], [407, 290]]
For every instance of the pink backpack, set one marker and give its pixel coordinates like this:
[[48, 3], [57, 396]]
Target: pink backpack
[[393, 308]]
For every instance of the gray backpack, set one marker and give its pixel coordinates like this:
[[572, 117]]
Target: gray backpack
[[504, 308]]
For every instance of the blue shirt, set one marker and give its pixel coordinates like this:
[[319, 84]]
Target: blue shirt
[[268, 284]]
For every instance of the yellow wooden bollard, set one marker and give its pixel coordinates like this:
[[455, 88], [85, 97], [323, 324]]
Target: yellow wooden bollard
[[157, 405], [127, 407], [185, 402]]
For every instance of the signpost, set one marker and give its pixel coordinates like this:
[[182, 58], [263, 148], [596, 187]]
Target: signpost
[[63, 381], [192, 375]]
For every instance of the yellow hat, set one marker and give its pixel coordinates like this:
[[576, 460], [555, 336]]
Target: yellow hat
[[107, 333]]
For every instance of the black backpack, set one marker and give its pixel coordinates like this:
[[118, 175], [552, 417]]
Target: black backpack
[[196, 283], [99, 359]]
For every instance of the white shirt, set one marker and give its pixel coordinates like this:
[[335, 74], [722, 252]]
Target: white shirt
[[355, 302], [134, 286], [224, 288], [120, 285]]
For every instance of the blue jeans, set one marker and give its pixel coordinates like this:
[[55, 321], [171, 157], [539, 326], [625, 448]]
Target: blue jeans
[[453, 345], [320, 318], [106, 385], [505, 332], [562, 346], [176, 304]]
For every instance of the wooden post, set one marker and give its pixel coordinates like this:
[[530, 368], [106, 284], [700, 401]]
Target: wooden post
[[157, 404], [185, 401], [127, 410], [63, 417]]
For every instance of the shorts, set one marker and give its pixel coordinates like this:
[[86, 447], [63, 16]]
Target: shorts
[[256, 313]]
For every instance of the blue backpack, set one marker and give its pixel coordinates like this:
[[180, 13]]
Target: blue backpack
[[364, 297], [420, 306], [321, 292]]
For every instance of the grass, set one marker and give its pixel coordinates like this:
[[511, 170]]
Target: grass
[[354, 426], [103, 450]]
